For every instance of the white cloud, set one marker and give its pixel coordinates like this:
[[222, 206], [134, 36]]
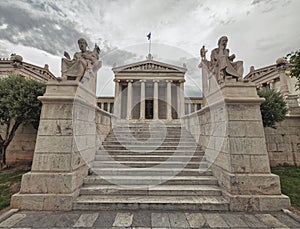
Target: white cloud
[[259, 31]]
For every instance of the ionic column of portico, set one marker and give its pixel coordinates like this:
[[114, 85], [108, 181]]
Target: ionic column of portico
[[118, 99], [195, 107], [129, 99], [180, 92], [190, 108], [142, 104], [155, 99], [169, 99]]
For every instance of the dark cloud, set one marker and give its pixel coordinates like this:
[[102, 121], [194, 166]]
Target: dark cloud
[[52, 36]]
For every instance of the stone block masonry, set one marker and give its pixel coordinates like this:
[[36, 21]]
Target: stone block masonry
[[66, 144], [232, 135]]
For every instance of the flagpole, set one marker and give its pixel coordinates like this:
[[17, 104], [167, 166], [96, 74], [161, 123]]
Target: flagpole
[[150, 45]]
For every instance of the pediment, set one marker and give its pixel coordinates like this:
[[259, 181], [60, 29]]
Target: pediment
[[149, 66]]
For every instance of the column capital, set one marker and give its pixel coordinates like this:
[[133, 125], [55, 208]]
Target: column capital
[[169, 81], [155, 81], [129, 81], [181, 81], [143, 81], [117, 81]]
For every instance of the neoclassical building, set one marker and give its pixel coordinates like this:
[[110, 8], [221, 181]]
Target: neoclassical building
[[148, 90], [22, 146]]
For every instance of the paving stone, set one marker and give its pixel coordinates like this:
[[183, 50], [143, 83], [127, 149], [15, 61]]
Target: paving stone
[[178, 220], [105, 219], [29, 219], [123, 219], [215, 220], [252, 221], [270, 221], [86, 220], [142, 219], [13, 220], [66, 220], [234, 220], [160, 220], [287, 220], [195, 220]]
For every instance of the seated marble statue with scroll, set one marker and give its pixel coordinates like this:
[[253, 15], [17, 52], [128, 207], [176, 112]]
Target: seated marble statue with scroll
[[74, 69], [222, 65]]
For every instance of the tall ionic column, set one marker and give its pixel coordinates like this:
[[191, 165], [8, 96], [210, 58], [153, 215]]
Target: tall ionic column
[[155, 99], [169, 99], [181, 97], [190, 108], [118, 99], [142, 104], [129, 98], [195, 107], [108, 107]]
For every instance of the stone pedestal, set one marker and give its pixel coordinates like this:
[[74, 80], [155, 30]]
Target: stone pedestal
[[237, 149], [65, 145]]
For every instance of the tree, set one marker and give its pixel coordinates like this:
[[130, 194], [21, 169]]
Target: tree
[[274, 108], [294, 59], [18, 105]]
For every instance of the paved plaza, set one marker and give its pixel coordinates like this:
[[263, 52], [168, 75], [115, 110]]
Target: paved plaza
[[148, 219]]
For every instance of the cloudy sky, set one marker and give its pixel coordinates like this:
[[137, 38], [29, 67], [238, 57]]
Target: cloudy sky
[[259, 31]]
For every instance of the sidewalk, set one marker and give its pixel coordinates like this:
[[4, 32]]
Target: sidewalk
[[148, 219]]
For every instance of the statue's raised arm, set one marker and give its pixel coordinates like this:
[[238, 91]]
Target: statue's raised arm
[[74, 69]]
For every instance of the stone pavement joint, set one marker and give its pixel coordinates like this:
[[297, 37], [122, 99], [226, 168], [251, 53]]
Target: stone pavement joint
[[144, 219]]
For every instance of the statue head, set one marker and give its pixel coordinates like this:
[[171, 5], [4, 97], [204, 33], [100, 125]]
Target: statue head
[[222, 42], [82, 44]]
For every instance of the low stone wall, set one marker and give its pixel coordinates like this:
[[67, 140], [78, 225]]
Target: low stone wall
[[283, 143], [21, 148], [103, 124]]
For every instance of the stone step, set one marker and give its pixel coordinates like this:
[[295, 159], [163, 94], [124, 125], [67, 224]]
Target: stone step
[[150, 148], [151, 152], [158, 190], [152, 171], [150, 180], [104, 202], [148, 157], [139, 139], [143, 164], [148, 143]]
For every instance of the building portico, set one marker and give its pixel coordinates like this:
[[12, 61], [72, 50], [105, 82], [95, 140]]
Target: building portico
[[149, 90]]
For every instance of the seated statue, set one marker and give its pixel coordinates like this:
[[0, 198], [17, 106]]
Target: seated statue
[[222, 65], [74, 69]]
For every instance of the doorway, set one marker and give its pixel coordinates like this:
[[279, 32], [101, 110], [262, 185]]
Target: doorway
[[149, 108]]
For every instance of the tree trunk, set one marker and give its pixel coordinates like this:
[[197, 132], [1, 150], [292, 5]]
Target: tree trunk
[[3, 156], [5, 142]]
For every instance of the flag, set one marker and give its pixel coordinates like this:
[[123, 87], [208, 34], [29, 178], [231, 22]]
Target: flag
[[149, 36]]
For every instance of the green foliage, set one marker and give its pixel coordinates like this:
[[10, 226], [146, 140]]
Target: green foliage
[[294, 59], [18, 99], [274, 108], [290, 182], [7, 183], [18, 105]]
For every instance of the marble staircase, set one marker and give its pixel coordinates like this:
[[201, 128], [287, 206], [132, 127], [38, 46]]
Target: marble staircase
[[150, 167]]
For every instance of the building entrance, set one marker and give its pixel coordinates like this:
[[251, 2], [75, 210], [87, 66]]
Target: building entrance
[[149, 109]]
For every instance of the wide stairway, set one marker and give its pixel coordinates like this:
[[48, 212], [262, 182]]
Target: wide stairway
[[144, 166]]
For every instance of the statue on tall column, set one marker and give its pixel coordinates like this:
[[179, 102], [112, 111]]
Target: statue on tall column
[[221, 64], [85, 60]]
